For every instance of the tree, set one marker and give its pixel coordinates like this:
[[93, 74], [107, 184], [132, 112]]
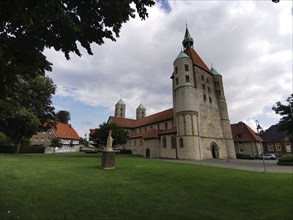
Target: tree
[[62, 116], [100, 135], [56, 142], [84, 142], [27, 27], [26, 108], [286, 111], [4, 140]]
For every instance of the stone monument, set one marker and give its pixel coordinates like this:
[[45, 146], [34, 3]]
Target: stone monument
[[108, 155]]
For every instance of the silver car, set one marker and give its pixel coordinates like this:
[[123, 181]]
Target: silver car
[[268, 157]]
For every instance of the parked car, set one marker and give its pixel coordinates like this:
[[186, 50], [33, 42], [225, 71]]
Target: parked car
[[268, 157]]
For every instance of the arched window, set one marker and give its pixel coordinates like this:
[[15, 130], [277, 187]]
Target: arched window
[[181, 144], [164, 142], [173, 142]]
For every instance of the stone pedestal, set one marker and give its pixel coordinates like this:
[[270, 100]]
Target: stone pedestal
[[108, 159]]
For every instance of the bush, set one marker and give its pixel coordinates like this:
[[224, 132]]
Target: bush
[[244, 156], [285, 160], [32, 149], [7, 149], [124, 151]]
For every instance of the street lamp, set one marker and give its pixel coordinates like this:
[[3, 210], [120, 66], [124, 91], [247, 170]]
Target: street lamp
[[291, 105], [259, 129]]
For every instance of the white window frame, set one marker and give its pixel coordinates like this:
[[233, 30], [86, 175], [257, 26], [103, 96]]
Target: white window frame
[[270, 147], [288, 147], [278, 147]]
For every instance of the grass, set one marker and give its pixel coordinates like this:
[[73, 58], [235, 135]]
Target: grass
[[72, 186]]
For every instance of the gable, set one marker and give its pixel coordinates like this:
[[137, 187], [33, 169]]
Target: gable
[[246, 133], [64, 131]]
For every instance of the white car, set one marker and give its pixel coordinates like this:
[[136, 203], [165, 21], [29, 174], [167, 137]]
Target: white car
[[268, 157]]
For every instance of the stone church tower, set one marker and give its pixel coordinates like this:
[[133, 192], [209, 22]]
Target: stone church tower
[[140, 112], [200, 109], [120, 109]]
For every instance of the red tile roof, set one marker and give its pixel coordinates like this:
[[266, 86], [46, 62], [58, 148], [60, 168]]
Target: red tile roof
[[123, 122], [152, 133], [155, 118], [196, 59], [151, 119], [247, 134], [65, 131]]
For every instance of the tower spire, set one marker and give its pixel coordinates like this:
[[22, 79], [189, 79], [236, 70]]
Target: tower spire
[[188, 40]]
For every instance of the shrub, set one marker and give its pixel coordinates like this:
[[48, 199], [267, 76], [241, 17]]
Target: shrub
[[244, 156], [286, 159], [7, 149], [124, 151], [32, 149]]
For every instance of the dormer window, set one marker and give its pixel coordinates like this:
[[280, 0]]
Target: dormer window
[[239, 136]]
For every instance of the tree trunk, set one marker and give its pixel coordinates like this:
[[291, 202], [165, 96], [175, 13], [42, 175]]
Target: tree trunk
[[17, 150]]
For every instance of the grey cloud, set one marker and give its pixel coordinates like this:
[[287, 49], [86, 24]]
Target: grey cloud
[[241, 39]]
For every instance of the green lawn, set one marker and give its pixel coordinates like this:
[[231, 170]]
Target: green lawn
[[72, 186]]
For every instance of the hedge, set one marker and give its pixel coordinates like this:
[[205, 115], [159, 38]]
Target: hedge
[[244, 156], [23, 149], [285, 160]]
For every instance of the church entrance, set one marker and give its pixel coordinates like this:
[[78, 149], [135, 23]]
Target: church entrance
[[215, 151], [147, 153]]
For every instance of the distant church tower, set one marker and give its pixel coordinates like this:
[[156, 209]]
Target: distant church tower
[[140, 112], [200, 109], [120, 108]]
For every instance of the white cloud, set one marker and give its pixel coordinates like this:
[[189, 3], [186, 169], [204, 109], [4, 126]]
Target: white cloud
[[249, 43]]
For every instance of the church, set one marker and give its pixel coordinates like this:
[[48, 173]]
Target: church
[[198, 125]]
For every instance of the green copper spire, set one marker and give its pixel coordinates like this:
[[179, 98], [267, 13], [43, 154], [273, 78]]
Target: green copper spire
[[141, 106], [181, 55], [120, 102], [215, 72], [188, 40]]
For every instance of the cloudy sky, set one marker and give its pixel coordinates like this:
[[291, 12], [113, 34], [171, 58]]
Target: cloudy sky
[[248, 42]]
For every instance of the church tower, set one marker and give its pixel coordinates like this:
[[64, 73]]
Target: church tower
[[120, 108], [185, 104], [140, 112], [224, 117], [200, 109]]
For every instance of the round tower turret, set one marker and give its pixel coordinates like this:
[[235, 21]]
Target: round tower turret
[[185, 107]]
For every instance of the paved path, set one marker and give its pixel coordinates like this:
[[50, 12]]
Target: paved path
[[250, 165]]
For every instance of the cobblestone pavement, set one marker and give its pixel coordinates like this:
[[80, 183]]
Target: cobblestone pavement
[[251, 165]]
